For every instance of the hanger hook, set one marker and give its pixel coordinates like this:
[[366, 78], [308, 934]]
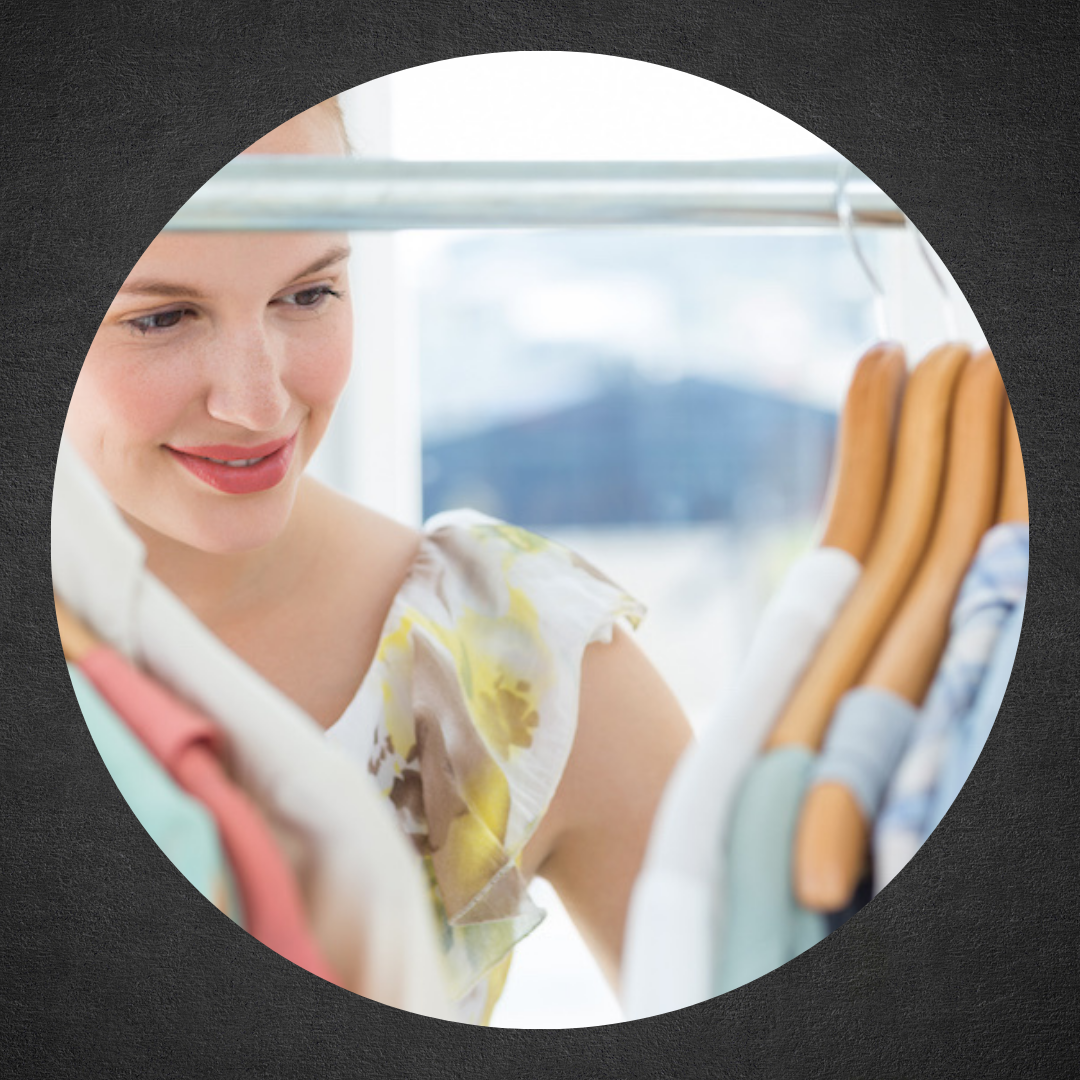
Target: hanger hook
[[947, 306], [845, 217]]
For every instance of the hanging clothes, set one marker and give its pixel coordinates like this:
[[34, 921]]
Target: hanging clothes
[[365, 893], [763, 925], [869, 733], [955, 502], [677, 902], [967, 738], [994, 586], [188, 746], [180, 825]]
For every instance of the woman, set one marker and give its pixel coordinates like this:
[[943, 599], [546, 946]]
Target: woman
[[516, 728]]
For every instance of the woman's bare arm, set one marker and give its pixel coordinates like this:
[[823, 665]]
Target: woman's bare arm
[[631, 731]]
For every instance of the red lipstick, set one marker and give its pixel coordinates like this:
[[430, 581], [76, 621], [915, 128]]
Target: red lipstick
[[238, 470]]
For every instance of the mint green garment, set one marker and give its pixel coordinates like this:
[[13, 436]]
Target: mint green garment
[[180, 825], [762, 926]]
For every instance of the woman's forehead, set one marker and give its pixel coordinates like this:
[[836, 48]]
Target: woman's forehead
[[197, 264]]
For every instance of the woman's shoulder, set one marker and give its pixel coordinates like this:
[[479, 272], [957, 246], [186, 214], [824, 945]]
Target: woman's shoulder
[[470, 562]]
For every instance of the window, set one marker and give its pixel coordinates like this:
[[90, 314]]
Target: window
[[662, 400]]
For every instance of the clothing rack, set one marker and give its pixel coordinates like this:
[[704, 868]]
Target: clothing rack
[[801, 195], [307, 192]]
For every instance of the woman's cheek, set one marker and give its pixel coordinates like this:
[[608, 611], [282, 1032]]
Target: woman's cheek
[[126, 402], [323, 368], [148, 399]]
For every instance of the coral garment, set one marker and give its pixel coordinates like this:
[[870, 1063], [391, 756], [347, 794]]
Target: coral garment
[[362, 885], [188, 745], [181, 826]]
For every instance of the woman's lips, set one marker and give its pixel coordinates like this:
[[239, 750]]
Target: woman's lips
[[238, 470]]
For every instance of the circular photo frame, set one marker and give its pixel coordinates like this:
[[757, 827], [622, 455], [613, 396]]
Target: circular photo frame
[[540, 507]]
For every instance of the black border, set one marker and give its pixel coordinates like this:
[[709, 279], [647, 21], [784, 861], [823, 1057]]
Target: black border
[[965, 113]]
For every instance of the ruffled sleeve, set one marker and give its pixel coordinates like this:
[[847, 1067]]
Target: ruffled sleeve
[[476, 685]]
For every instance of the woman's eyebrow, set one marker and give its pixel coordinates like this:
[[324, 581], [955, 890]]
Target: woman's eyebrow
[[334, 255], [161, 288], [176, 289]]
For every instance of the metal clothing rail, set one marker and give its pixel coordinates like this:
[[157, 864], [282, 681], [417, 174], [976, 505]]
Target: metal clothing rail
[[262, 192]]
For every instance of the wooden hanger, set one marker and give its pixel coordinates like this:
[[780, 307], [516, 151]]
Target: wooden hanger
[[864, 444], [910, 504], [832, 835], [75, 636], [909, 655], [1013, 503]]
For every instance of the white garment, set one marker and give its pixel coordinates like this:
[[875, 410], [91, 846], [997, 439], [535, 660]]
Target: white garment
[[675, 905], [363, 881]]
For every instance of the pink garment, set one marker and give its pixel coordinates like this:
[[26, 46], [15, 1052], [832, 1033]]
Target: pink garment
[[187, 745]]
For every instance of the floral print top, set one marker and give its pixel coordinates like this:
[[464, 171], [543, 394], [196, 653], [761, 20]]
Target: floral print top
[[466, 719]]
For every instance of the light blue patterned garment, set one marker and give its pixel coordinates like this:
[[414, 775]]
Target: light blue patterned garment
[[993, 588], [969, 736]]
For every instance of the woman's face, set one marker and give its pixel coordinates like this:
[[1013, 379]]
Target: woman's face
[[212, 377]]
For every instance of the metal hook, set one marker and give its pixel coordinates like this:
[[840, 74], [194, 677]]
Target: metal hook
[[845, 216], [947, 306]]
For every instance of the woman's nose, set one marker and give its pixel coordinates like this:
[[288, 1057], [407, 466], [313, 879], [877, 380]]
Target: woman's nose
[[245, 384]]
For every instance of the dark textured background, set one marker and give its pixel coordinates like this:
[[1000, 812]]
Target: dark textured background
[[965, 113]]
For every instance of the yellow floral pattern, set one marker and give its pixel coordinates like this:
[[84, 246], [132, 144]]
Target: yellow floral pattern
[[476, 683]]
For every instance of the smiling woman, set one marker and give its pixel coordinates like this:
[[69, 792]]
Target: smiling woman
[[234, 341], [474, 668]]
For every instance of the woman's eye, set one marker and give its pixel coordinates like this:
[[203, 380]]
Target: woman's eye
[[160, 320], [309, 298]]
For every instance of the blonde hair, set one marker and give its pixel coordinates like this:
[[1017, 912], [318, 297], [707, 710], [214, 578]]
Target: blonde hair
[[333, 105], [327, 115]]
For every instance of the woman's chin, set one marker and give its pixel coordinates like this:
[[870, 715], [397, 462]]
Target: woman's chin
[[224, 530], [243, 529]]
